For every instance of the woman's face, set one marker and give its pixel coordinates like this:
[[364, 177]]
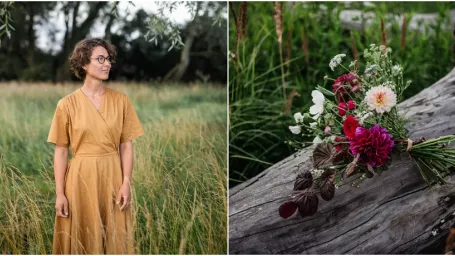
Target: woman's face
[[96, 68]]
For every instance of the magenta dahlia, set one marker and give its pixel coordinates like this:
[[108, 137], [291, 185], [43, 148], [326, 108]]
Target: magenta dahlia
[[374, 145]]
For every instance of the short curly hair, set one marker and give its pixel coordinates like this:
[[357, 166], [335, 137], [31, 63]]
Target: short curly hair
[[82, 52]]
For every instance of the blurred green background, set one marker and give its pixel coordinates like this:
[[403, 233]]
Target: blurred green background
[[261, 110]]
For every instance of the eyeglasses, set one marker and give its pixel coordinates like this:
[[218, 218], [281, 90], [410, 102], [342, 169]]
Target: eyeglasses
[[101, 59]]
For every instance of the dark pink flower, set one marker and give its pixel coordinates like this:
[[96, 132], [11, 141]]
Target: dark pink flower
[[374, 145], [347, 83]]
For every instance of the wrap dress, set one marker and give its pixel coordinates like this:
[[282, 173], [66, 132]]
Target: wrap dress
[[95, 224]]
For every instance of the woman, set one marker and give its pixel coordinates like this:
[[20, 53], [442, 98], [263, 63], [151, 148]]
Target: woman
[[93, 190]]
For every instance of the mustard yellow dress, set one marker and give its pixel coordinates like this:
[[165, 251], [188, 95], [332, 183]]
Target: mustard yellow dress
[[95, 224]]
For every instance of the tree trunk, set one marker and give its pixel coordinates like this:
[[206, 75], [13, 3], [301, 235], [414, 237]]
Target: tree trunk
[[394, 213], [76, 34], [178, 70]]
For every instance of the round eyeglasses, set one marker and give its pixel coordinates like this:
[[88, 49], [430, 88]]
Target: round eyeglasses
[[101, 59]]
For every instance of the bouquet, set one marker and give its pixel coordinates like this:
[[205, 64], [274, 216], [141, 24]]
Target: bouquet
[[356, 129]]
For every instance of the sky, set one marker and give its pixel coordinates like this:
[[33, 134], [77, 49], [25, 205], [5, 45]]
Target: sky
[[44, 42]]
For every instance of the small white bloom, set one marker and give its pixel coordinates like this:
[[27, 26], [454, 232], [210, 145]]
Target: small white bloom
[[295, 129], [332, 138], [298, 117], [362, 119], [312, 125], [396, 70], [381, 99], [335, 61], [317, 173], [318, 107], [317, 140], [369, 70]]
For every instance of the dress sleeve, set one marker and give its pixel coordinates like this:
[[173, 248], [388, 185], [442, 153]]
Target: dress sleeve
[[132, 127], [59, 134]]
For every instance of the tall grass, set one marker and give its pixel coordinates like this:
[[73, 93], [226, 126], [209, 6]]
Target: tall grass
[[259, 109], [179, 177]]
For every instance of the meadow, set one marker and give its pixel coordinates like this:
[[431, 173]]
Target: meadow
[[179, 177], [269, 79]]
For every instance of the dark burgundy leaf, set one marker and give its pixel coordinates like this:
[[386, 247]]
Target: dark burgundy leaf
[[323, 154], [327, 189], [287, 209], [303, 181], [307, 203], [328, 174]]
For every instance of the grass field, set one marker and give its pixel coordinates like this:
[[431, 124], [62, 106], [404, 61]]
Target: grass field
[[179, 177]]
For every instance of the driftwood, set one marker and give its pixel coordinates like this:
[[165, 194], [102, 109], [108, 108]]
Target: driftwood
[[394, 213]]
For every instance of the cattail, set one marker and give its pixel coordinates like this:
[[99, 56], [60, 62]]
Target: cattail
[[279, 31], [354, 47], [279, 21], [305, 47], [383, 35], [237, 29], [288, 106], [403, 33], [243, 21], [288, 49]]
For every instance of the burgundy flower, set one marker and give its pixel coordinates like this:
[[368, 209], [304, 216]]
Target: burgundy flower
[[374, 145], [347, 83], [341, 146]]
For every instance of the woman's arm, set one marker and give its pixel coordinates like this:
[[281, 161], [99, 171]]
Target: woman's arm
[[126, 156], [60, 166]]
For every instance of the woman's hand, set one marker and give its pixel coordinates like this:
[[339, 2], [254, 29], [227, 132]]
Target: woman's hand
[[61, 206], [124, 195]]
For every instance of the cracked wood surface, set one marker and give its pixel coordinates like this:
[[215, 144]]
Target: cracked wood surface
[[389, 214]]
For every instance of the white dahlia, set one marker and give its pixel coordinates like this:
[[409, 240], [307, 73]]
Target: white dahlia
[[381, 99]]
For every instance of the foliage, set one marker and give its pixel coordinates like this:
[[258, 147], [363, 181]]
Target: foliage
[[312, 35]]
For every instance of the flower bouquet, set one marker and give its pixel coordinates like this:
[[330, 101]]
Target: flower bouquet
[[356, 129]]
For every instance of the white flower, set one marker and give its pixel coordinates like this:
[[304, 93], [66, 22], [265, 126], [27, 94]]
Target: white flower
[[381, 99], [295, 129], [362, 119], [369, 70], [332, 138], [335, 61], [317, 173], [298, 117], [396, 70], [317, 140], [312, 125], [318, 107]]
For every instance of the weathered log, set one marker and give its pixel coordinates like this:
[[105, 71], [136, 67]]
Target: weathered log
[[394, 213]]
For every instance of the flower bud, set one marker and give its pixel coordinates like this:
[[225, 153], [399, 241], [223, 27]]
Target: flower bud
[[351, 104], [342, 108]]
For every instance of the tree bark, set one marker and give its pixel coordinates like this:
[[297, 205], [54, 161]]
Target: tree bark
[[394, 213]]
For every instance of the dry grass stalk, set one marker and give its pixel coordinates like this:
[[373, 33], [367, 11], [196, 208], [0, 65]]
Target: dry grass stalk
[[279, 31], [288, 49], [403, 34], [354, 48], [383, 34], [305, 47], [279, 21], [288, 106], [243, 20]]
